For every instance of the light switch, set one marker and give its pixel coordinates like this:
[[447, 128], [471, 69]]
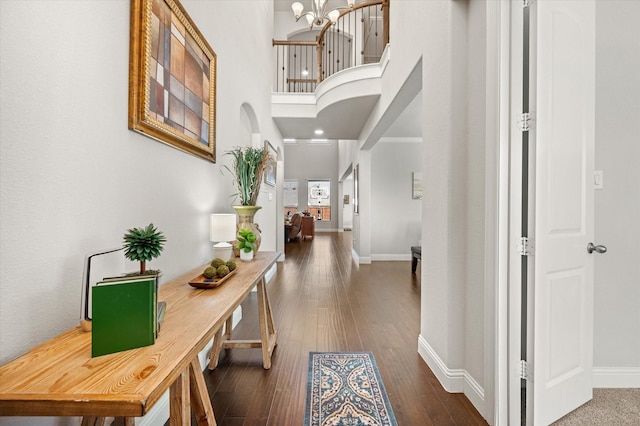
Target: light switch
[[270, 196], [598, 180]]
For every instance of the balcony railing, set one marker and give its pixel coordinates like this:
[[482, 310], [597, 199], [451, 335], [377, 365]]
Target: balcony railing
[[358, 37]]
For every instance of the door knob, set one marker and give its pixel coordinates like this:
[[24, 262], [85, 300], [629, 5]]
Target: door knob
[[598, 249]]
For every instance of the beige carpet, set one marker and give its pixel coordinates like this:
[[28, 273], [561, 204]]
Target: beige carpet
[[609, 407]]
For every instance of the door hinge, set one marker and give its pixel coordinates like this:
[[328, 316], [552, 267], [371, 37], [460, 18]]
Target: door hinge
[[525, 246], [524, 370], [525, 121]]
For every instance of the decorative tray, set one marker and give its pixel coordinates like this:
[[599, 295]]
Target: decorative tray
[[202, 282]]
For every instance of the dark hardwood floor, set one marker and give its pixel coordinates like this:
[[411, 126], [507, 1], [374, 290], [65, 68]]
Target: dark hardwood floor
[[323, 301]]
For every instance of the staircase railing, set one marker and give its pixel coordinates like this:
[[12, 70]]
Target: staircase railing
[[358, 37]]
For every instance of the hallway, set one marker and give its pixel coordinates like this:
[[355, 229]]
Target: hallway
[[323, 301]]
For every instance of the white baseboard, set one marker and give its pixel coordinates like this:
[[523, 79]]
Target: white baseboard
[[270, 274], [616, 377], [360, 260], [391, 257], [453, 380]]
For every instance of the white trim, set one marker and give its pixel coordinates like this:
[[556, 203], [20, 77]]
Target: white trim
[[360, 260], [513, 63], [496, 213], [616, 377], [268, 275], [391, 257], [452, 380], [355, 256], [501, 319]]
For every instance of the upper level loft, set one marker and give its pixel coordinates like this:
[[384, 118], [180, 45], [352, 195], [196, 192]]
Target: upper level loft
[[337, 62]]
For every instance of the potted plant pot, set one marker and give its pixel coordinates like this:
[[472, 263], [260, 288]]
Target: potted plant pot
[[246, 244]]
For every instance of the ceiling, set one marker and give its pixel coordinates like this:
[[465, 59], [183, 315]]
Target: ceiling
[[341, 120], [285, 5], [346, 119]]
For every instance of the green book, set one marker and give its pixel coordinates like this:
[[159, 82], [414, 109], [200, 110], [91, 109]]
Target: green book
[[124, 314]]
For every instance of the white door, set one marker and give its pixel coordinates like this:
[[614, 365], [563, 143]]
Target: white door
[[563, 97]]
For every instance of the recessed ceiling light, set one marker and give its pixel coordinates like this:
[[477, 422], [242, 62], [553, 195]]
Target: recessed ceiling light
[[319, 131]]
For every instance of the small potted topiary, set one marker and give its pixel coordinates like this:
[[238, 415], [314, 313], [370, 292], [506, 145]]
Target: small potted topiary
[[142, 245], [246, 244]]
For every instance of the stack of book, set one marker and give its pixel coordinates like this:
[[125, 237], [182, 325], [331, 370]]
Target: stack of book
[[126, 314]]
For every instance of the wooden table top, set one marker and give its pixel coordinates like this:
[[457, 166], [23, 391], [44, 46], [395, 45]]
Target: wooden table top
[[59, 377]]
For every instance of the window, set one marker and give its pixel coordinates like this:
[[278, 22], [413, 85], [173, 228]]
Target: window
[[319, 199]]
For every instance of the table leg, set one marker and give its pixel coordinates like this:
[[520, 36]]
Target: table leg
[[268, 334], [199, 395], [214, 355], [180, 405], [218, 340]]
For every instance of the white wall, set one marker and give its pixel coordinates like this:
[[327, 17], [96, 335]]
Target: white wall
[[305, 161], [617, 221], [475, 190], [74, 178], [396, 218]]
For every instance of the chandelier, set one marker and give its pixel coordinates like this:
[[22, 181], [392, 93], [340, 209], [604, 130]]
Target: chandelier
[[318, 13]]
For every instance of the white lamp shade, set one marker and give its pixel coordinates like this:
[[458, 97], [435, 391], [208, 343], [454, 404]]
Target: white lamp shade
[[223, 227], [310, 19], [297, 9]]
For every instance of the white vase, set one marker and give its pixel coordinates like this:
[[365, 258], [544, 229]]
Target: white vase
[[247, 257]]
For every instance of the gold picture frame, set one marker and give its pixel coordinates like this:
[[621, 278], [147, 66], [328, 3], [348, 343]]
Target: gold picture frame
[[172, 78]]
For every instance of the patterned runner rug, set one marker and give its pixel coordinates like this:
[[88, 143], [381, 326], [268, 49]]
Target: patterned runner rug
[[345, 388]]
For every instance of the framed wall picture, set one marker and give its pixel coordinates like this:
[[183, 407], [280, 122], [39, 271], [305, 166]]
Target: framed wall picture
[[272, 164], [356, 189], [290, 193], [172, 78], [416, 185]]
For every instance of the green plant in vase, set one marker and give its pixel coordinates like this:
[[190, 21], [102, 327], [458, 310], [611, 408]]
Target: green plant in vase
[[143, 244], [247, 168], [246, 244]]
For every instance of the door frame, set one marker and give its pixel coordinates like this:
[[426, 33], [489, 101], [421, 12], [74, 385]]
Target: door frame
[[503, 322]]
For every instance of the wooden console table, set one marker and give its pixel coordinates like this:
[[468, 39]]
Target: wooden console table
[[59, 377]]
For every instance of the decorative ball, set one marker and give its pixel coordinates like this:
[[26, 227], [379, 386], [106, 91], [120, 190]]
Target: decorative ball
[[231, 265], [210, 272], [223, 270], [217, 262]]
